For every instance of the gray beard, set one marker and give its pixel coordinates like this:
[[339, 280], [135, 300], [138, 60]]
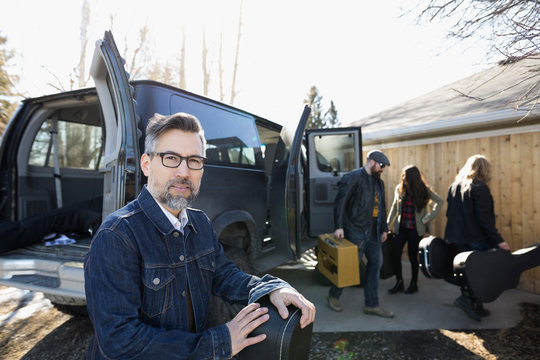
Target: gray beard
[[177, 202]]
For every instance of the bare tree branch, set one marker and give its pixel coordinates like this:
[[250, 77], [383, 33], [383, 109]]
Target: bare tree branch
[[221, 94], [235, 70], [182, 71], [508, 24], [85, 20], [468, 96], [511, 26], [135, 67], [206, 71]]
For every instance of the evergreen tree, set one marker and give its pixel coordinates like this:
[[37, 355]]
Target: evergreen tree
[[319, 119], [316, 119], [7, 81], [331, 116]]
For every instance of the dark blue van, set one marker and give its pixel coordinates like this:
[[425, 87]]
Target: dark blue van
[[268, 190]]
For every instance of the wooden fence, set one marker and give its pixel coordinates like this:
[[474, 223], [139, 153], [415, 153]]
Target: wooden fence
[[515, 185]]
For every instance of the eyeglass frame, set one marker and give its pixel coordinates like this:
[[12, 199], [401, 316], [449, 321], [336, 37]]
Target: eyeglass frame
[[182, 158], [382, 165]]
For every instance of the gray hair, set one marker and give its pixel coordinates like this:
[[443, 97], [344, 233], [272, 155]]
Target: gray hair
[[159, 124]]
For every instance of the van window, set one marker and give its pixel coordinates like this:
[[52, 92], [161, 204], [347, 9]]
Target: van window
[[79, 146], [231, 137], [335, 152]]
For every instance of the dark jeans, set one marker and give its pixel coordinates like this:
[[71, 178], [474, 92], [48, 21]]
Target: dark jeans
[[411, 237], [371, 247]]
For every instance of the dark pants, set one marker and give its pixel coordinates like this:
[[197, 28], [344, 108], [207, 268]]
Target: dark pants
[[372, 248], [411, 237]]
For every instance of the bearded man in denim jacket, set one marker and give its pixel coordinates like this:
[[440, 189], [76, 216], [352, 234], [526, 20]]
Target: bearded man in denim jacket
[[154, 264]]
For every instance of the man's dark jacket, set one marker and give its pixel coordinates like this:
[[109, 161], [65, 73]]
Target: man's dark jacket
[[353, 207], [471, 218]]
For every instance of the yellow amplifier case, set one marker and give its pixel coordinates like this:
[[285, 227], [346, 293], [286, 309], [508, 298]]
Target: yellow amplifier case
[[338, 260]]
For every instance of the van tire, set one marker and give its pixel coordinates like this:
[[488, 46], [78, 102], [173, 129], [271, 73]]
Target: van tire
[[73, 310], [219, 310], [68, 305]]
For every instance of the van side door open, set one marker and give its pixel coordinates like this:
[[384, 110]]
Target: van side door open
[[331, 154], [307, 168]]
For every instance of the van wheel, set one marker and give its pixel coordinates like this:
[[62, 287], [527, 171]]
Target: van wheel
[[68, 305], [219, 310], [73, 310]]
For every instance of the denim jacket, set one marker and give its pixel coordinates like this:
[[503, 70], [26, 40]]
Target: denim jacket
[[136, 277]]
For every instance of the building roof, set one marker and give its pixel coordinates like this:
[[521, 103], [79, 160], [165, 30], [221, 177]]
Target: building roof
[[504, 94]]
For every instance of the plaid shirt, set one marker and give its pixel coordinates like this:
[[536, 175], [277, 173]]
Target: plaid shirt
[[408, 220]]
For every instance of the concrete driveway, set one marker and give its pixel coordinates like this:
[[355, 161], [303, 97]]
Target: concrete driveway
[[432, 307]]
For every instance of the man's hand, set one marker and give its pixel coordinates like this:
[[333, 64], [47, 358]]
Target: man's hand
[[504, 245], [247, 320], [339, 234], [283, 297], [384, 236]]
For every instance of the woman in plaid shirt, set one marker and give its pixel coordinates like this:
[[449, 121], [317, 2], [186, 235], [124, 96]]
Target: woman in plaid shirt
[[414, 206]]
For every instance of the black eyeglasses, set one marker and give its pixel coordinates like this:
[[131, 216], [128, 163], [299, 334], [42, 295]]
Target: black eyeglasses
[[173, 160], [382, 165]]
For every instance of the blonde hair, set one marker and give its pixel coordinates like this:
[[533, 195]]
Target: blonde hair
[[477, 168]]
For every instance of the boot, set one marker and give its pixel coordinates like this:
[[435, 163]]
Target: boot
[[467, 306], [397, 288], [480, 309], [379, 311], [333, 303], [412, 288]]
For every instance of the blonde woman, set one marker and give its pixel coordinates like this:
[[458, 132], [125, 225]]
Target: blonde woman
[[471, 221], [414, 206]]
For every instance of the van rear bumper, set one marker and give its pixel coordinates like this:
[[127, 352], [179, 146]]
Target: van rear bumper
[[63, 279]]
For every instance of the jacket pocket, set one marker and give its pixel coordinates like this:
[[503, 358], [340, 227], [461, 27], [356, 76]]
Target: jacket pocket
[[207, 266], [158, 287]]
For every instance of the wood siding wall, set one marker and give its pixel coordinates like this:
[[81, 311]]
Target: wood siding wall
[[515, 185]]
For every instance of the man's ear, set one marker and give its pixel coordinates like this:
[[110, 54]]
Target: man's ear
[[145, 164]]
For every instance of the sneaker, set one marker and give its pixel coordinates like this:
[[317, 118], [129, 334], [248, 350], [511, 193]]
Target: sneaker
[[334, 304], [379, 311], [467, 306]]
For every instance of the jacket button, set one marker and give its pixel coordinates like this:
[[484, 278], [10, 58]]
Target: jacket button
[[156, 281], [181, 257], [184, 293], [176, 234]]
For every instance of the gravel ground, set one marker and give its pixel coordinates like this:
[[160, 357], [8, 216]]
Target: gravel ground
[[519, 342], [42, 332]]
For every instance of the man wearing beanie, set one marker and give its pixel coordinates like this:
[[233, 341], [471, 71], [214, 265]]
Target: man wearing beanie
[[360, 216]]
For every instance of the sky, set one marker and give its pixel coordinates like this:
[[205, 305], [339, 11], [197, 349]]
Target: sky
[[362, 55]]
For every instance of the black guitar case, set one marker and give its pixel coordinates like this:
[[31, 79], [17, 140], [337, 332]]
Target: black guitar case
[[387, 268], [436, 257], [284, 338], [489, 273]]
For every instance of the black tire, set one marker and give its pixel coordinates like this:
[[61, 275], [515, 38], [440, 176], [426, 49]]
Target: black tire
[[220, 311], [68, 305], [73, 310]]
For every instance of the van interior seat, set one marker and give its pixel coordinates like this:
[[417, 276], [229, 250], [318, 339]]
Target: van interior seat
[[212, 154]]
